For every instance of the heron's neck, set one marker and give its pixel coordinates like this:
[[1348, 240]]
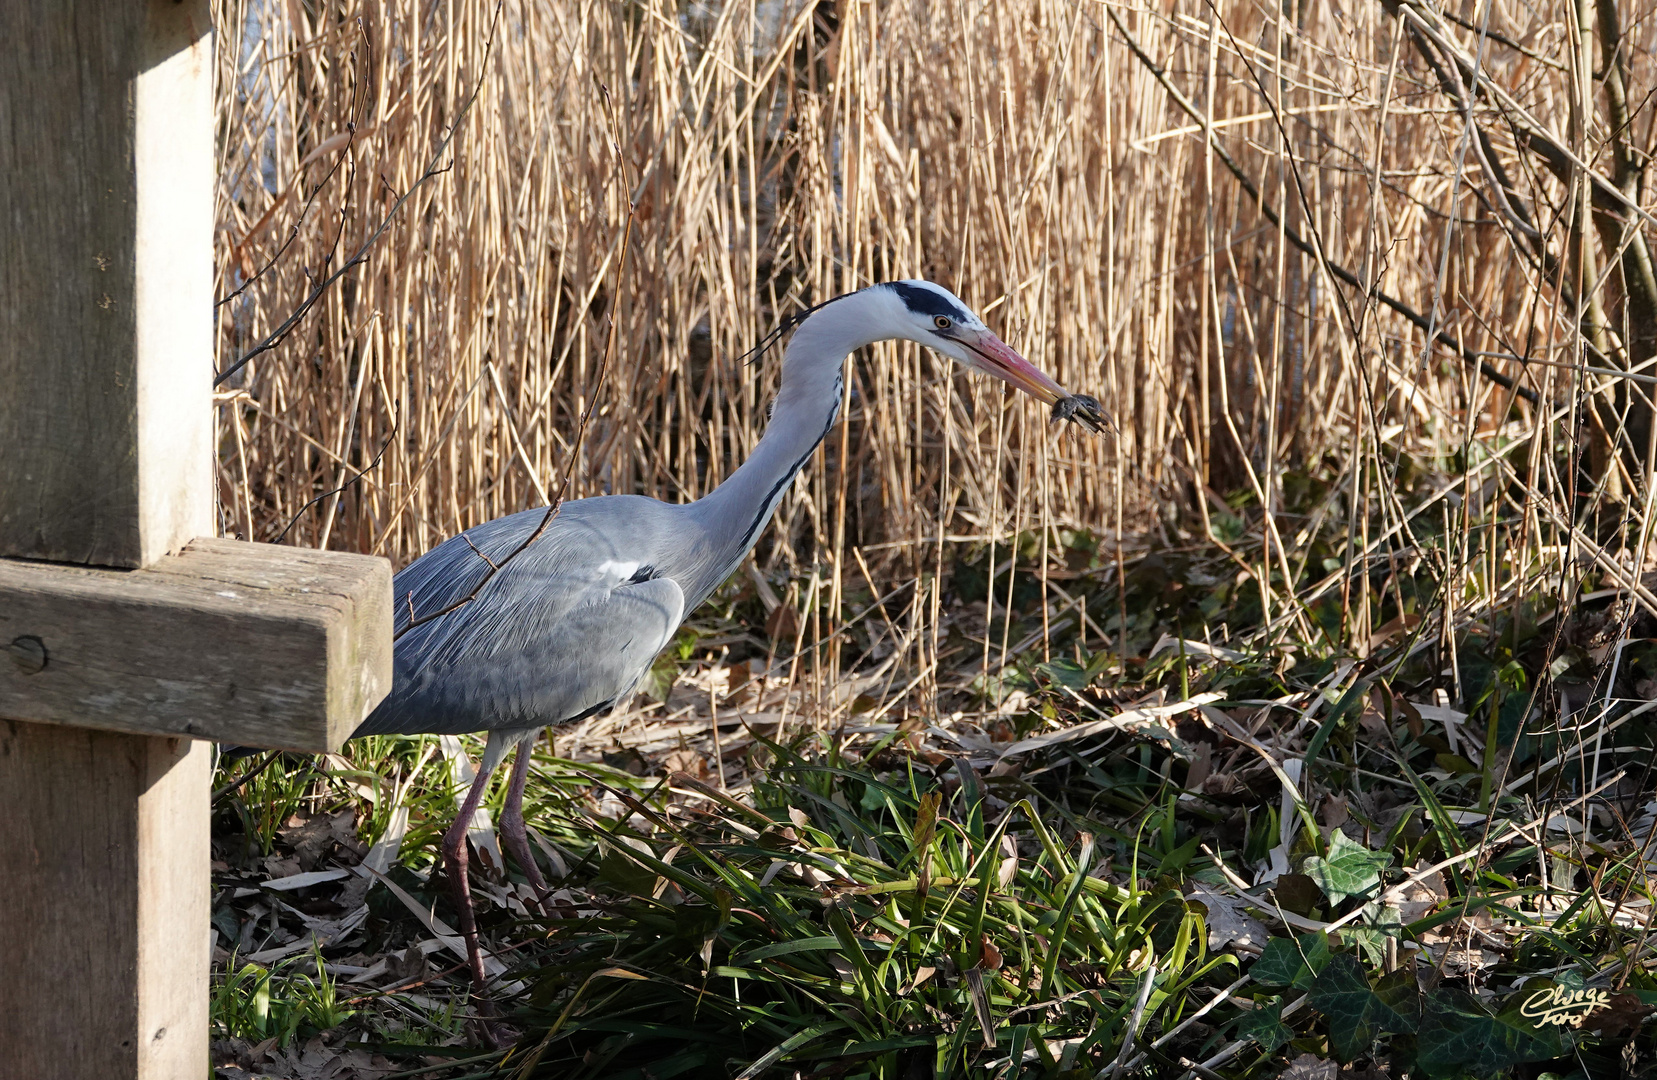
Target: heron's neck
[[808, 401]]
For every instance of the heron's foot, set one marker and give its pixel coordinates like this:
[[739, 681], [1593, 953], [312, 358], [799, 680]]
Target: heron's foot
[[486, 1025]]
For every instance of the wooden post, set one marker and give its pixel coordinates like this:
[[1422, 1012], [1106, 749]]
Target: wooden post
[[106, 279], [108, 676]]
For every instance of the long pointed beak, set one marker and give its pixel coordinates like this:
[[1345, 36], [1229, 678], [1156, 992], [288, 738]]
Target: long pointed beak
[[1005, 364]]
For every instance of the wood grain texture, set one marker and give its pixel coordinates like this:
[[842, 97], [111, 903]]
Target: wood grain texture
[[104, 911], [247, 643], [105, 279]]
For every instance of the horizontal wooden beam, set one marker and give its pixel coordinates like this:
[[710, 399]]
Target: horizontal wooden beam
[[251, 644]]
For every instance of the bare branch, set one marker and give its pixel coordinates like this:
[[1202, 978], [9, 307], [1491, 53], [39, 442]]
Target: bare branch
[[344, 153], [370, 467]]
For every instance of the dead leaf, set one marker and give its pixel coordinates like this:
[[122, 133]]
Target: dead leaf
[[1464, 960], [1373, 719], [1229, 922], [1391, 629], [783, 624], [311, 839], [738, 683], [989, 955], [1202, 765], [685, 761], [1416, 899], [1620, 1018], [406, 966], [1223, 785], [1412, 717], [278, 867], [1009, 862], [1310, 1067], [1368, 1072]]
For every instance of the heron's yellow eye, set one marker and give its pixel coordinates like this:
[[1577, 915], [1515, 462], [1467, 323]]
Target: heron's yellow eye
[[941, 322]]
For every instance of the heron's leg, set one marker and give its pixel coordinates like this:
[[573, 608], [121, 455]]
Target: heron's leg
[[454, 861], [513, 833]]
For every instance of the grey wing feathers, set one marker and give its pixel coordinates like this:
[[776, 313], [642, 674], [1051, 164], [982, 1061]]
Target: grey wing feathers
[[452, 569], [557, 634]]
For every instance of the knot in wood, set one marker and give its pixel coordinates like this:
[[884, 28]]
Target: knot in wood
[[28, 653]]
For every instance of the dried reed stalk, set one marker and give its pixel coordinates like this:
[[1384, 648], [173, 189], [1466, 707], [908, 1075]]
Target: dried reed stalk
[[1019, 152]]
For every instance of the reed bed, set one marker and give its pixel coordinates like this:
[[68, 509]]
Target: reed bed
[[1368, 293], [1034, 156]]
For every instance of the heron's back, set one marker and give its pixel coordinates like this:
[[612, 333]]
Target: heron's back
[[561, 630]]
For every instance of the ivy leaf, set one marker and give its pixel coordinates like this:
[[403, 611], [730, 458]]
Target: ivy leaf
[[1066, 673], [1291, 963], [1356, 1013], [1264, 1024], [1297, 893], [663, 673], [1371, 943], [1350, 870], [1460, 1035], [1384, 917], [1400, 995], [1381, 921]]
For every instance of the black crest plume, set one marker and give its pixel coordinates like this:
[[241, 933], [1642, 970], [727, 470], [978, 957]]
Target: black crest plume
[[789, 322]]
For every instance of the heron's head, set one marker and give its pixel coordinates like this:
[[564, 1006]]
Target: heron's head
[[935, 317]]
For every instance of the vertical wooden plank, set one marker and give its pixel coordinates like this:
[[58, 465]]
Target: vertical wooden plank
[[173, 240], [66, 283], [105, 278], [174, 908], [104, 864]]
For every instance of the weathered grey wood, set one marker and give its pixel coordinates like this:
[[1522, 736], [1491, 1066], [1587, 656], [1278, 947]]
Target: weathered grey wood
[[106, 308], [106, 219], [104, 864], [106, 454], [246, 643]]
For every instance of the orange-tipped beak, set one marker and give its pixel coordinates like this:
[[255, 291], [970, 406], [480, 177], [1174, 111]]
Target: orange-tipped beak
[[995, 358]]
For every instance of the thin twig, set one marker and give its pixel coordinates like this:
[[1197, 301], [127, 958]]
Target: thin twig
[[370, 467], [342, 155], [264, 763]]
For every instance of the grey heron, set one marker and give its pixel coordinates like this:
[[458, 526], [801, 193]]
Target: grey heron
[[565, 628]]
